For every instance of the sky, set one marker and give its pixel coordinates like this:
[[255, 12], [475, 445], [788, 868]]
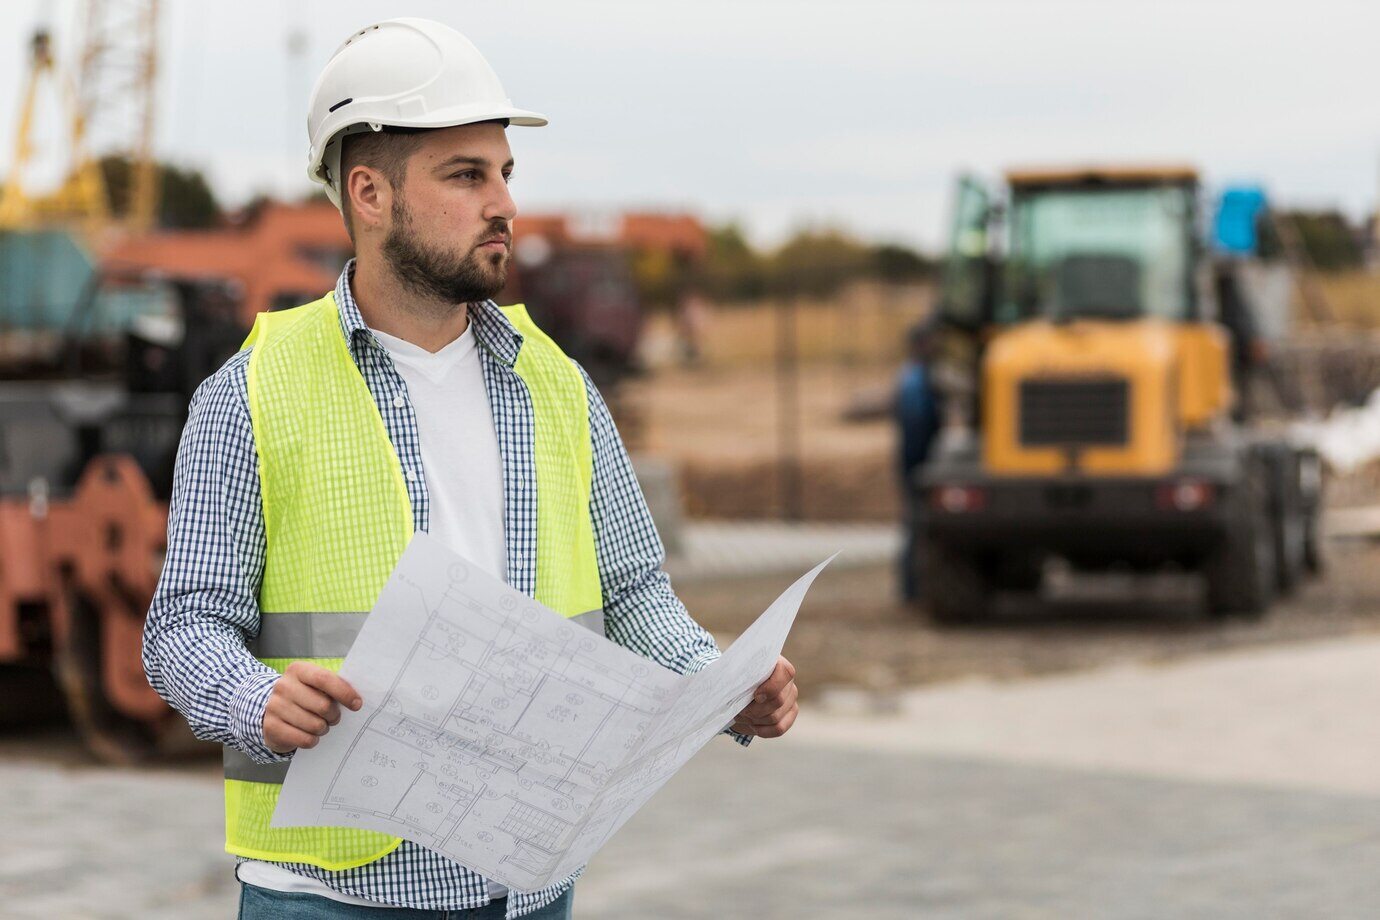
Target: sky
[[781, 114]]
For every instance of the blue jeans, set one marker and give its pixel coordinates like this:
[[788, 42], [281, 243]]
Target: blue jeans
[[264, 904]]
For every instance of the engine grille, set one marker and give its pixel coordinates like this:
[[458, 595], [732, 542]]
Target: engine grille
[[1073, 412]]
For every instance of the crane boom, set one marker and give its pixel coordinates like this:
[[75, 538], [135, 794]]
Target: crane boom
[[110, 109]]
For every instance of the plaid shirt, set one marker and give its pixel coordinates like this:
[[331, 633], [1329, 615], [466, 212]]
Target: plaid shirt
[[206, 603]]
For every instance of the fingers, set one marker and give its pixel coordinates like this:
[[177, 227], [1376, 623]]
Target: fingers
[[328, 682], [304, 704], [773, 729], [282, 737], [757, 713], [775, 705], [312, 700], [776, 715], [298, 717], [776, 731], [781, 675], [769, 718]]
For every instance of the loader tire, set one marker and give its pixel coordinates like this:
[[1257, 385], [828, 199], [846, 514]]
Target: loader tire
[[1314, 560], [1240, 572], [956, 588], [1290, 552], [1287, 518]]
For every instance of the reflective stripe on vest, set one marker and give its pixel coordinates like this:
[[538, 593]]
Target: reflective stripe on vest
[[306, 635], [239, 767], [337, 516]]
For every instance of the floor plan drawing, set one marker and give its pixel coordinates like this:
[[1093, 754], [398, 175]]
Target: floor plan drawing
[[508, 738]]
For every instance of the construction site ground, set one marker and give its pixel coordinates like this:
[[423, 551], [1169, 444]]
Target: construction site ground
[[857, 646], [1174, 767], [721, 429]]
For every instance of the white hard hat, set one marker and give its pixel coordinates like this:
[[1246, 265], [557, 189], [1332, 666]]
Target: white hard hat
[[403, 73]]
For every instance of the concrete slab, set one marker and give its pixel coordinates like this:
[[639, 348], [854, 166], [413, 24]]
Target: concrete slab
[[794, 831], [98, 842], [1287, 716]]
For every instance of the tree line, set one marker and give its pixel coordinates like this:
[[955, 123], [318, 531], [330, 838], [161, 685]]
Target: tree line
[[811, 263]]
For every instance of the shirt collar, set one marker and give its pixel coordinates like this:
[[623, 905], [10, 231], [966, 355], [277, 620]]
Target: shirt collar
[[495, 332], [351, 322], [492, 329]]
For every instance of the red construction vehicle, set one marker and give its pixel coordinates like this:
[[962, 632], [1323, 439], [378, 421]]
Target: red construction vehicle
[[90, 417]]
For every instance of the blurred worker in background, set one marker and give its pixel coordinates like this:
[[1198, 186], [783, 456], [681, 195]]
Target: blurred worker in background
[[1249, 351], [403, 401], [918, 414], [692, 317], [1242, 231]]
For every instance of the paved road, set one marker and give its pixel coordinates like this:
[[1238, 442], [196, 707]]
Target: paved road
[[1241, 785]]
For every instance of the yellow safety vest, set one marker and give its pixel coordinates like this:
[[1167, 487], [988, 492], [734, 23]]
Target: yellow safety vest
[[337, 517]]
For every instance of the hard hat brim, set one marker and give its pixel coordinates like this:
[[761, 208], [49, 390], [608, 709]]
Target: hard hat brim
[[459, 115]]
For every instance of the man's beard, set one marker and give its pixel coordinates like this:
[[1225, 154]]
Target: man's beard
[[443, 274]]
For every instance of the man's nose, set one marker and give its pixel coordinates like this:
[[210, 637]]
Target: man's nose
[[501, 205]]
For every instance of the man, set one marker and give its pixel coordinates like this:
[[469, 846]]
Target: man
[[917, 412], [1249, 350], [406, 400]]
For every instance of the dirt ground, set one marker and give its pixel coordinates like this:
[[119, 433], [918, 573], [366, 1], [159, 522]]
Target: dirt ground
[[725, 431], [852, 633], [750, 442]]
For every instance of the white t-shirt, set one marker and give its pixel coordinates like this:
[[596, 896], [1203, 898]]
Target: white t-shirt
[[464, 481], [463, 468]]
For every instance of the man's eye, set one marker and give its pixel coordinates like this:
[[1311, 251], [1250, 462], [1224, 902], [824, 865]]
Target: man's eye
[[507, 177], [466, 174]]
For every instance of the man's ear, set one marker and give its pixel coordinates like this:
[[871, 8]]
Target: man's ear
[[370, 197]]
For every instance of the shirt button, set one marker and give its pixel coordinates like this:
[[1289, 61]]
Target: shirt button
[[399, 402], [411, 475]]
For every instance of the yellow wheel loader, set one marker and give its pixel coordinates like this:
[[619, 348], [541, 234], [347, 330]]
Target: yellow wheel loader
[[1094, 408]]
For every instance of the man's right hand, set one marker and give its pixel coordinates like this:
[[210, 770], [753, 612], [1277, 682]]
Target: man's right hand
[[305, 703]]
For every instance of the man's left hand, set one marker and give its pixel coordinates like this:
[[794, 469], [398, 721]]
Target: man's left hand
[[773, 708]]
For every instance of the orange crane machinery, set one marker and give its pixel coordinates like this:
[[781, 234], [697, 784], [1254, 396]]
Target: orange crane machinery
[[90, 406]]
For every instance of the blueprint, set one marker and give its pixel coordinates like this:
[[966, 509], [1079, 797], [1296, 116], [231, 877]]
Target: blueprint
[[504, 736]]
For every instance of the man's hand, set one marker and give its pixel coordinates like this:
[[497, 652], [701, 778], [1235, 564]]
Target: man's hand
[[773, 708], [305, 703]]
